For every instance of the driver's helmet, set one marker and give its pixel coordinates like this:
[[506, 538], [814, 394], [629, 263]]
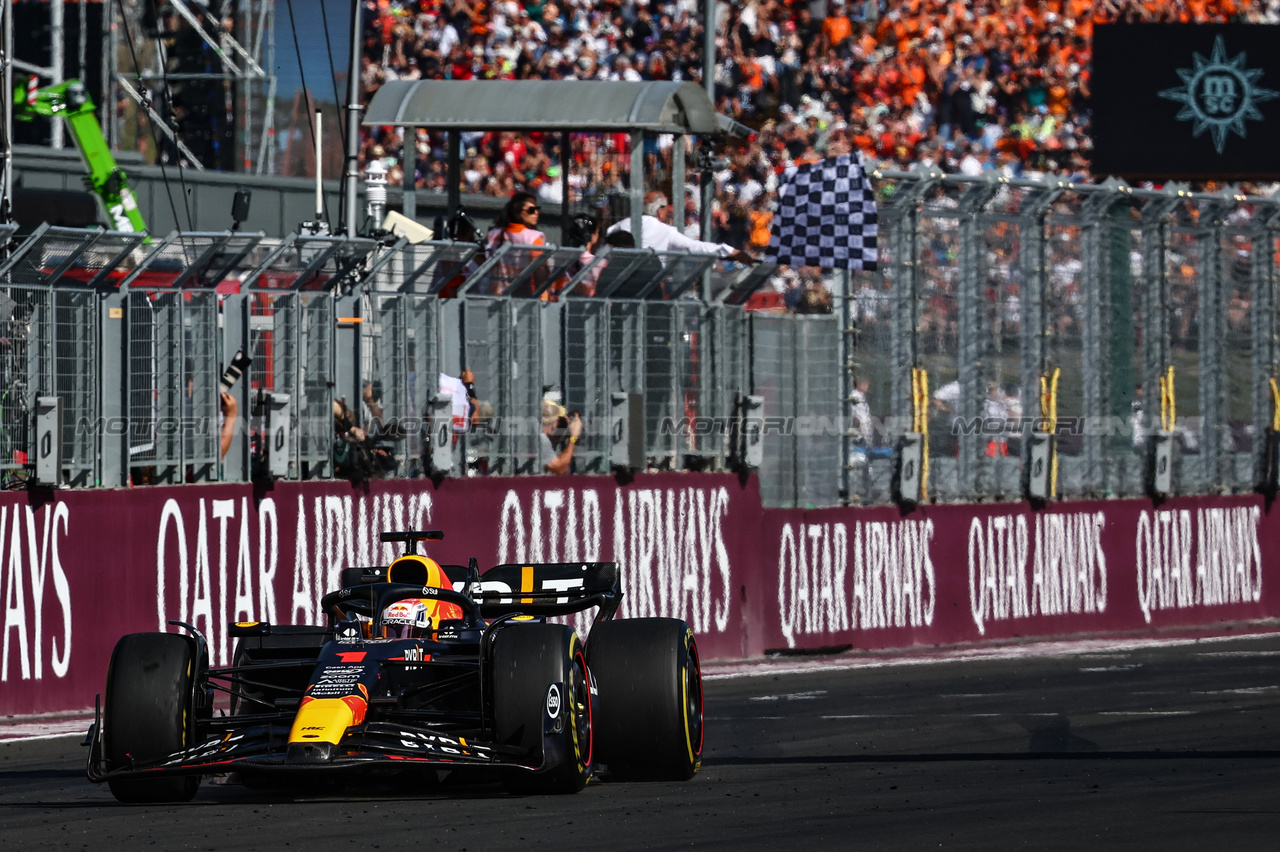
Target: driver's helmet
[[414, 618]]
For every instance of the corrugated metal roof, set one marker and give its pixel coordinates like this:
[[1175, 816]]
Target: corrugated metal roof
[[656, 106]]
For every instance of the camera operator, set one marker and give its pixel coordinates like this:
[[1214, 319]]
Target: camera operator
[[559, 436]]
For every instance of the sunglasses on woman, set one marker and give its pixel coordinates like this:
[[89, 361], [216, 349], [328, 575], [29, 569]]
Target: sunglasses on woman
[[534, 209]]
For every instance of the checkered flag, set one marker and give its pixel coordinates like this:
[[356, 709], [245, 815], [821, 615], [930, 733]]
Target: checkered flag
[[826, 216]]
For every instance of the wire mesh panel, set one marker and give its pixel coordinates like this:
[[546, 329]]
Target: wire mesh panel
[[172, 385], [1236, 436], [587, 379], [520, 270], [871, 435], [817, 424], [154, 385], [200, 388], [663, 347], [315, 381], [24, 366], [199, 259], [628, 273], [729, 350], [524, 391], [54, 255], [697, 447], [387, 373], [422, 339], [503, 345], [939, 341], [1120, 435], [273, 346], [291, 339], [76, 336], [1184, 253], [773, 378], [485, 354], [1064, 336]]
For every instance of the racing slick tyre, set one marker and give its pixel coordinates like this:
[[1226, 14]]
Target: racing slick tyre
[[649, 682], [527, 659], [147, 713]]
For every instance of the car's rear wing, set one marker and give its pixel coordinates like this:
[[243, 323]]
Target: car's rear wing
[[549, 588], [544, 588]]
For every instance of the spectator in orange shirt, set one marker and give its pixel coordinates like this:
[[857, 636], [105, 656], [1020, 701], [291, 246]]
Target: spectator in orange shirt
[[837, 27]]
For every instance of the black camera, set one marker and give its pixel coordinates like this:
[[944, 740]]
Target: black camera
[[235, 370]]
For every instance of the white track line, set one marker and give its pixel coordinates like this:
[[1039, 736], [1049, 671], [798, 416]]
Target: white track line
[[1061, 648], [34, 728]]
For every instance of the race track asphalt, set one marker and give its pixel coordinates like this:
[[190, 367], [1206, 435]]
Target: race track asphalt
[[1163, 748]]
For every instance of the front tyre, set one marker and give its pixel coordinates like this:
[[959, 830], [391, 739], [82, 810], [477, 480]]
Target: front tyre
[[147, 713], [650, 721], [527, 659]]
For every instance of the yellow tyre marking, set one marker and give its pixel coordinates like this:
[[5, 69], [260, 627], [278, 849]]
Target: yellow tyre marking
[[684, 698]]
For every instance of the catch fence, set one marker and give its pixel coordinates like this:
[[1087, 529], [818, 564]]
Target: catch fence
[[1122, 312], [133, 335], [995, 287]]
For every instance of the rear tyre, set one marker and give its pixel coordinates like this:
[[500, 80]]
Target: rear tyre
[[527, 659], [650, 722], [147, 713]]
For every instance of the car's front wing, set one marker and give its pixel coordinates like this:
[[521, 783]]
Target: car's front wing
[[263, 747]]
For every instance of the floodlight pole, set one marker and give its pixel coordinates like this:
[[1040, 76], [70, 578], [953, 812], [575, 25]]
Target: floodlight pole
[[6, 182], [709, 83], [351, 175], [57, 30]]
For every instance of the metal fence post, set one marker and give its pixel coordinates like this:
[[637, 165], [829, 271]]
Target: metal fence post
[[1212, 329], [114, 471], [903, 217], [347, 373], [1263, 349], [1155, 320], [1035, 286], [970, 327], [846, 383], [1100, 262]]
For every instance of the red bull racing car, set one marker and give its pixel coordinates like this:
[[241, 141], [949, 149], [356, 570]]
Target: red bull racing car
[[420, 666]]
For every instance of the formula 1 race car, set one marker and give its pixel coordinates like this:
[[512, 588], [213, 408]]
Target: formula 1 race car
[[421, 667]]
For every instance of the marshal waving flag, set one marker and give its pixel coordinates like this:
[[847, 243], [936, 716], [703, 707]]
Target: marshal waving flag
[[826, 216]]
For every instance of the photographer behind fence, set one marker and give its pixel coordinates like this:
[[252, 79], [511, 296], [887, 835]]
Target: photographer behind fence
[[359, 454], [559, 436], [227, 404]]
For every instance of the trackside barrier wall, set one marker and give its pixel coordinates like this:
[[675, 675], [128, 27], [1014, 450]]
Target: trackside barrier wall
[[749, 580]]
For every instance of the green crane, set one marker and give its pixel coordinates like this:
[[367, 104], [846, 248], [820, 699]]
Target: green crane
[[70, 101]]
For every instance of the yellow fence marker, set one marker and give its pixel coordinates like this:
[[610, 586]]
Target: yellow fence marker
[[920, 422]]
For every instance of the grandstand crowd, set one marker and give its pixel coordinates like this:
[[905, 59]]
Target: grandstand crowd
[[965, 85]]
